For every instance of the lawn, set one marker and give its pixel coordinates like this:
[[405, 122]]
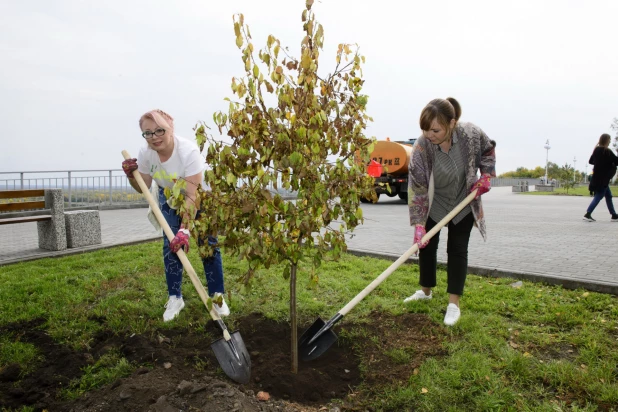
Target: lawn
[[581, 190], [532, 347]]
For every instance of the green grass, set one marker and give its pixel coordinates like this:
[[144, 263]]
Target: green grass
[[533, 348], [581, 190], [107, 369], [14, 351]]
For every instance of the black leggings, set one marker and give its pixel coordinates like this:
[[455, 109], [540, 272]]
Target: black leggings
[[456, 250]]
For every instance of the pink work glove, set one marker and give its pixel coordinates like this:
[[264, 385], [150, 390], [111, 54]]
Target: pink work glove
[[419, 232], [129, 166], [483, 185], [181, 240]]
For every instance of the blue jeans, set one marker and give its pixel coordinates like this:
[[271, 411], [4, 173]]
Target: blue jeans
[[600, 194], [213, 265]]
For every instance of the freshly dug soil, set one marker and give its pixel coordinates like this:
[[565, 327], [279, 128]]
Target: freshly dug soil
[[177, 370]]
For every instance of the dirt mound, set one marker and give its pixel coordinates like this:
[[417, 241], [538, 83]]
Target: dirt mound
[[177, 369]]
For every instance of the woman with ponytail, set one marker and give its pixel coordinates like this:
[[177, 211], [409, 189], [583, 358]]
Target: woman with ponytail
[[605, 162], [442, 172]]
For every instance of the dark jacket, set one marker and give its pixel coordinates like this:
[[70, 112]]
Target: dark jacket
[[605, 162]]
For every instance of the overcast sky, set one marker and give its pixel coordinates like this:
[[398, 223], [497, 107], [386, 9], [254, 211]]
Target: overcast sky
[[75, 76]]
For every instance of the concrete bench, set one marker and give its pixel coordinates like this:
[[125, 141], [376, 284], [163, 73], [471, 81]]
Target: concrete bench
[[544, 188], [48, 213], [521, 186], [83, 228]]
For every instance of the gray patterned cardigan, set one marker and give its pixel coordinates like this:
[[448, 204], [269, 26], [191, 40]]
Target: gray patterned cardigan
[[479, 154]]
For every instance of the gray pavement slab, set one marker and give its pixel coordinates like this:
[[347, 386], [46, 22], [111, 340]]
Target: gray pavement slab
[[539, 238]]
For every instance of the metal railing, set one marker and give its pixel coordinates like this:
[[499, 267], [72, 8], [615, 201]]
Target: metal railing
[[81, 187], [110, 187], [87, 188]]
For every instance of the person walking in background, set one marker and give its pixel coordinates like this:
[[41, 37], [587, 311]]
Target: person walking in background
[[442, 171], [165, 159], [605, 163]]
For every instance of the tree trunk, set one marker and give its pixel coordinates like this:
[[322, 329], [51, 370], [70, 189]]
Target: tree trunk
[[294, 335]]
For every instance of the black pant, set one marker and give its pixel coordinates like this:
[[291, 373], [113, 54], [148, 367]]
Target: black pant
[[456, 250]]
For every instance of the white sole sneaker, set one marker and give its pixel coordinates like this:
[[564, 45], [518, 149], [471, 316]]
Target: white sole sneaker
[[222, 310], [418, 295], [453, 313], [172, 308]]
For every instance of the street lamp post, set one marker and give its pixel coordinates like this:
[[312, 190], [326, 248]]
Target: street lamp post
[[547, 147], [574, 161]]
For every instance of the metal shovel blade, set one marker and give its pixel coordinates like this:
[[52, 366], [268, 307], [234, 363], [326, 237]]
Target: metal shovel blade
[[320, 345], [233, 357]]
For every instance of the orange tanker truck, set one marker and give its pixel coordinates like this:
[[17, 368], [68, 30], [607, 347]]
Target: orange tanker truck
[[389, 167]]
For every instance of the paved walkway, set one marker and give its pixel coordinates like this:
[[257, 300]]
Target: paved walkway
[[541, 238]]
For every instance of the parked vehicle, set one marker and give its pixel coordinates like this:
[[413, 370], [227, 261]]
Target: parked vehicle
[[394, 157]]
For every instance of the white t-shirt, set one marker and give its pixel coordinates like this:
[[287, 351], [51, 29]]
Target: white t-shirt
[[186, 160]]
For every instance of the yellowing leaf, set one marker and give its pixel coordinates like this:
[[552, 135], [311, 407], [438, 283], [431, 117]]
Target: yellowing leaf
[[239, 41], [424, 390], [585, 294], [230, 179], [305, 61]]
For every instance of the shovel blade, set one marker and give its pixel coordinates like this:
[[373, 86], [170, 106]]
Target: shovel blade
[[308, 352], [233, 357]]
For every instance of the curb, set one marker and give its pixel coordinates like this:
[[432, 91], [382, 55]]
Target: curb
[[499, 273], [77, 251]]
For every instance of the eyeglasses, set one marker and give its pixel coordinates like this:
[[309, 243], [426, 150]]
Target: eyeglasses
[[158, 132]]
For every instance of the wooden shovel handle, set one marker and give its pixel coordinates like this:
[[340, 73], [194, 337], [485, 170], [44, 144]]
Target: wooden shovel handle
[[170, 235], [407, 254]]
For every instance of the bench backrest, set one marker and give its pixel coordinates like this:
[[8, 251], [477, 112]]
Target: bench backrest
[[21, 194]]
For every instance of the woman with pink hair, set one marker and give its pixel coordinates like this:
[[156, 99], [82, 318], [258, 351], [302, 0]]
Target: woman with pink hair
[[165, 159]]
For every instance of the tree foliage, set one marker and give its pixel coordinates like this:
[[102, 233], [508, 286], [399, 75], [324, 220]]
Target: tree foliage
[[566, 177], [553, 171], [309, 142]]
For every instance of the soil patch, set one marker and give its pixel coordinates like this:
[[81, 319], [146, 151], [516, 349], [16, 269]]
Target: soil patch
[[177, 370]]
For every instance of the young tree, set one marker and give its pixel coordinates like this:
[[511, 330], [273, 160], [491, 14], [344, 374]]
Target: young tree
[[565, 176], [310, 140]]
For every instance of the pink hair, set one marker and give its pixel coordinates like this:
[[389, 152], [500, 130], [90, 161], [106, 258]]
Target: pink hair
[[161, 119]]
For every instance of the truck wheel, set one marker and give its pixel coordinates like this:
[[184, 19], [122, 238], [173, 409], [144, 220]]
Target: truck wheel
[[403, 196]]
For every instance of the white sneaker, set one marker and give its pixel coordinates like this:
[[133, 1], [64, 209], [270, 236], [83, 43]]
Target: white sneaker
[[418, 295], [452, 314], [172, 308], [222, 310]]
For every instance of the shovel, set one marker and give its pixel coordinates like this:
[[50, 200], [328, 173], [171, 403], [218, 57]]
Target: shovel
[[319, 337], [229, 350]]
